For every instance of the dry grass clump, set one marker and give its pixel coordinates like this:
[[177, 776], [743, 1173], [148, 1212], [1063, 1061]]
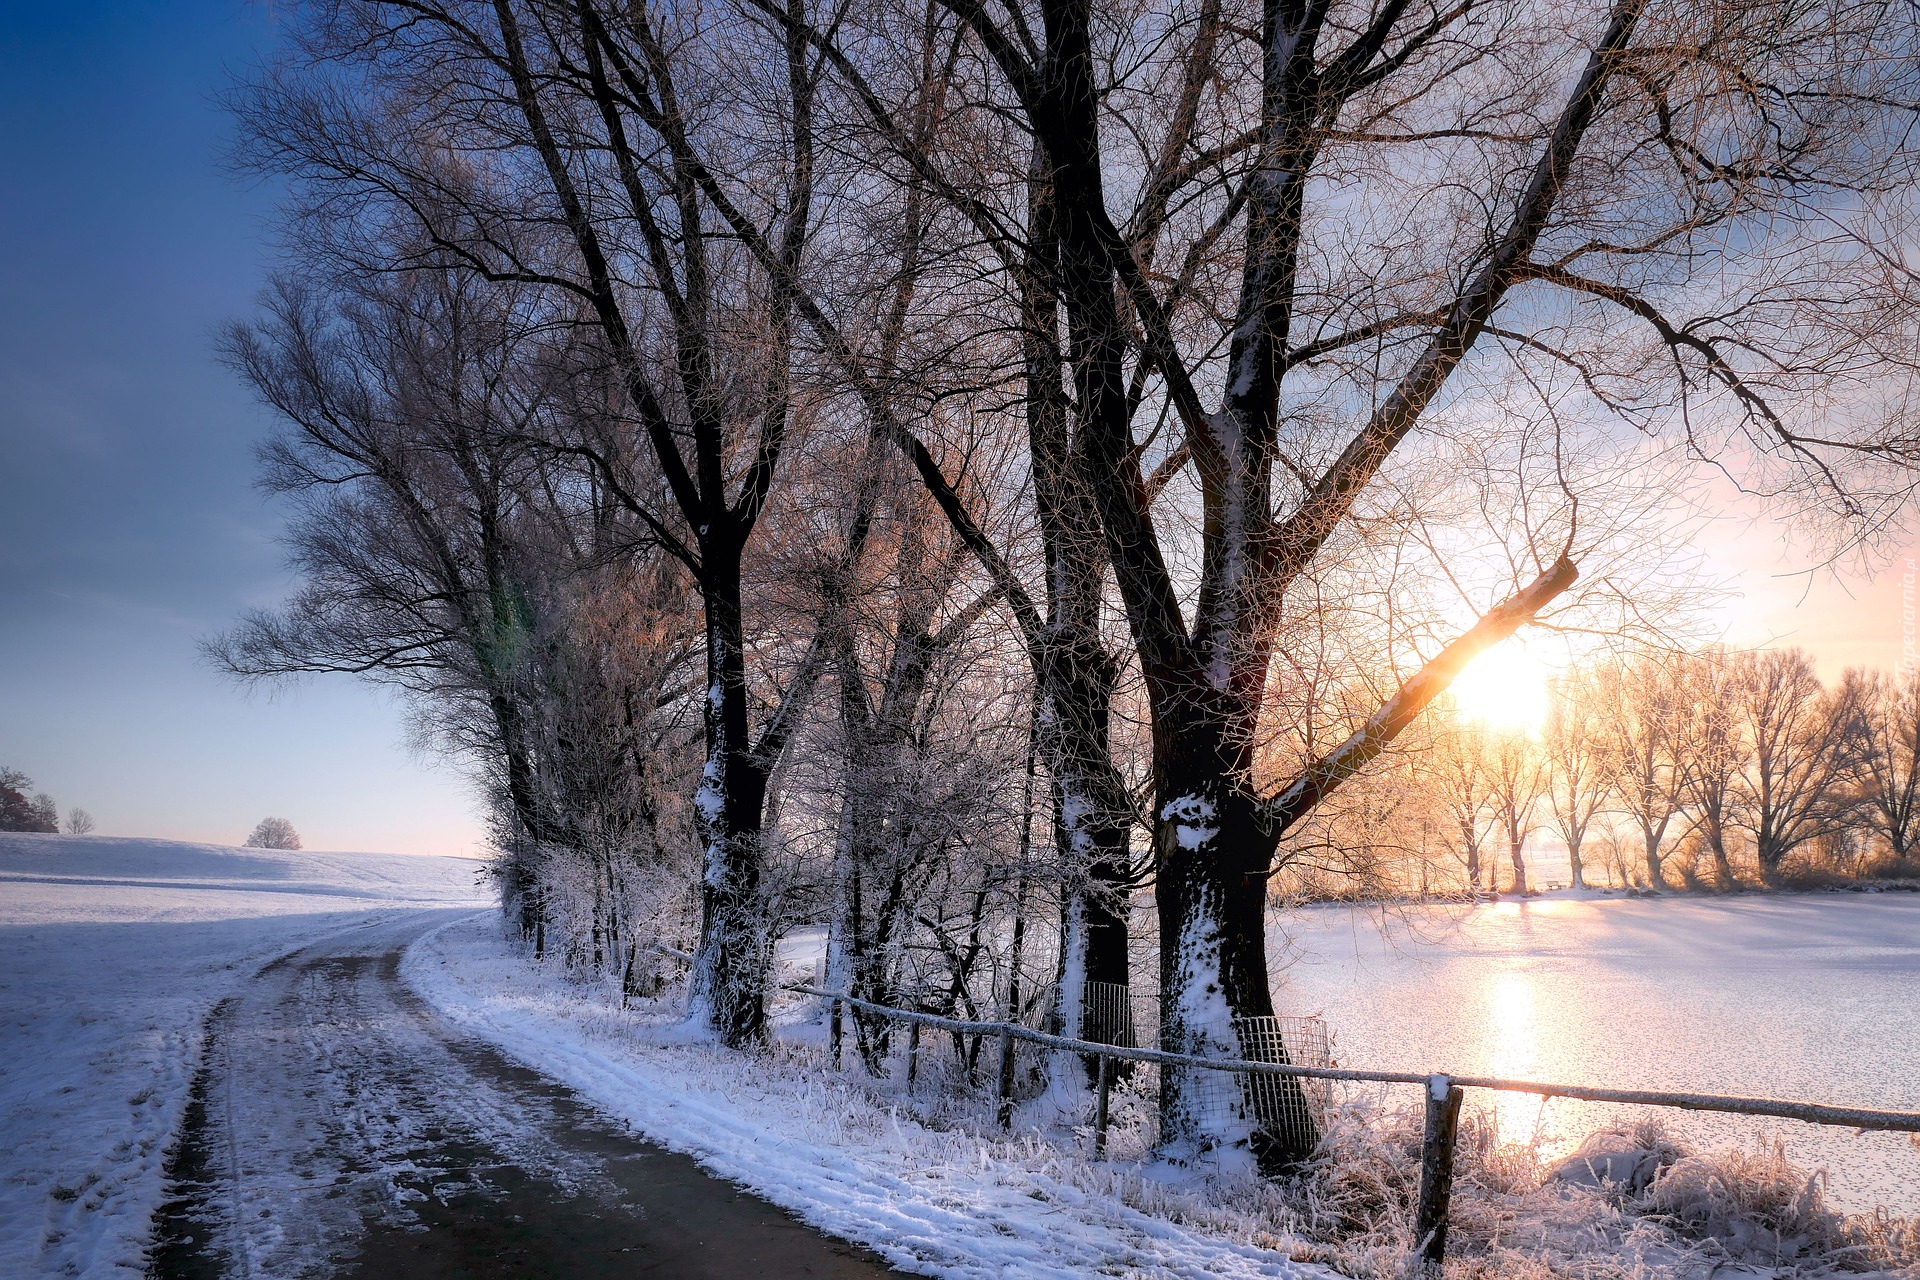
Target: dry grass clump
[[1756, 1207], [1702, 1215]]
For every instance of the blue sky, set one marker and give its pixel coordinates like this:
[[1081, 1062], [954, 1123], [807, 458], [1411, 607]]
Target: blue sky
[[129, 527]]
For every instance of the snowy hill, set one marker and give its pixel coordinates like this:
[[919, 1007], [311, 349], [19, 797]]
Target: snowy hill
[[112, 952], [131, 862]]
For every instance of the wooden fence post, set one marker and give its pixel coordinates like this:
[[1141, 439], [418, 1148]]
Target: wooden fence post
[[833, 1034], [1436, 1173], [1100, 1108], [1006, 1080], [913, 1055]]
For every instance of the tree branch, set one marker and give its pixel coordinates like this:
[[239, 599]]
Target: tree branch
[[1324, 775]]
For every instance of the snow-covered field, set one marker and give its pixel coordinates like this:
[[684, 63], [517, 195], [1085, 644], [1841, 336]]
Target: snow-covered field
[[936, 1202], [112, 952], [1813, 996]]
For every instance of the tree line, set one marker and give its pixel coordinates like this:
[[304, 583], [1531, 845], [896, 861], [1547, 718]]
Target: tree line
[[937, 470], [24, 809], [1662, 769]]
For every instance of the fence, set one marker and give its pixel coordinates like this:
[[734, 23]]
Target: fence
[[1113, 1012], [1278, 1067]]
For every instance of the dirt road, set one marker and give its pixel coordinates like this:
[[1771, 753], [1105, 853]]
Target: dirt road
[[342, 1128]]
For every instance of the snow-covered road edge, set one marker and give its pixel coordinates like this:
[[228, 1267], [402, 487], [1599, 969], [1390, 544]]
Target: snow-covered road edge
[[936, 1203]]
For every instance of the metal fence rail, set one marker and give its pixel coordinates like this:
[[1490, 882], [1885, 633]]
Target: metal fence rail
[[1809, 1112]]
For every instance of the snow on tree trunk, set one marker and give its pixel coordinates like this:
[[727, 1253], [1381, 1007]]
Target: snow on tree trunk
[[728, 990], [1066, 1076], [1202, 1112], [1212, 854]]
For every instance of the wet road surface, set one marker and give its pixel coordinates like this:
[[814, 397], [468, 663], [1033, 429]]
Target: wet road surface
[[340, 1127]]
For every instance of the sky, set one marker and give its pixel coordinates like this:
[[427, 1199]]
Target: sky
[[129, 525]]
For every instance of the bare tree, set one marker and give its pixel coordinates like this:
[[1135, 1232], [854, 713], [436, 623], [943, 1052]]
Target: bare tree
[[1713, 753], [1792, 791], [1456, 765], [1640, 738], [79, 821], [273, 833], [915, 774], [1573, 744], [1274, 278], [407, 401], [1604, 154], [18, 811], [1884, 726], [1516, 779], [574, 158]]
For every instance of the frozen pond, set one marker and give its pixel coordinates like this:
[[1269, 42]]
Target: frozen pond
[[1808, 996]]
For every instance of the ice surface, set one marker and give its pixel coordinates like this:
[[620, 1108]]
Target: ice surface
[[1809, 996], [112, 951]]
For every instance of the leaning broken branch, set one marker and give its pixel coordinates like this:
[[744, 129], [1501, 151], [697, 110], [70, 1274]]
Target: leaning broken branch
[[1320, 778]]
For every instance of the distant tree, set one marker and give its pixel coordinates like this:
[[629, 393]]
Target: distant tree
[[1456, 768], [1640, 737], [79, 821], [18, 812], [1713, 754], [1795, 788], [1516, 778], [1577, 786], [274, 833], [1885, 727]]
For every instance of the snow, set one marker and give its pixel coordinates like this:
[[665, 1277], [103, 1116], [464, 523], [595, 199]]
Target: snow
[[112, 952], [1067, 1079], [825, 1147], [1216, 1114], [1192, 817], [1076, 816], [707, 797], [1072, 985]]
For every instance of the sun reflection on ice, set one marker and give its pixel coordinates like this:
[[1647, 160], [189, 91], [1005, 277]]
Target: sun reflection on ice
[[1514, 1035]]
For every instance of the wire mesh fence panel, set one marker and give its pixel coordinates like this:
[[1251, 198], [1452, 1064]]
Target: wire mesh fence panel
[[1145, 1007], [1271, 1111], [1287, 1107], [1108, 1017]]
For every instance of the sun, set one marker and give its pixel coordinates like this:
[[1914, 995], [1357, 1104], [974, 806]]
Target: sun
[[1505, 688]]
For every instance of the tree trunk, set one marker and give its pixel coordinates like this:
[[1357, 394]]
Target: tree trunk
[[1073, 672], [523, 888], [1722, 865], [729, 973], [1212, 852], [1092, 816]]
